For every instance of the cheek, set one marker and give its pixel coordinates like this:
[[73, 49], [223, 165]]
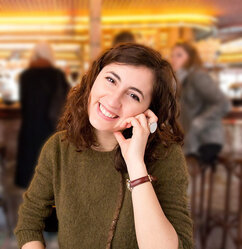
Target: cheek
[[176, 62], [183, 60], [99, 89], [179, 62], [132, 110], [95, 93], [91, 98]]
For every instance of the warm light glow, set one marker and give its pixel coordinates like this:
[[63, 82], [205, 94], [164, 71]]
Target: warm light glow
[[168, 18], [72, 32], [155, 25], [79, 28], [60, 23], [58, 55], [236, 57], [37, 19], [28, 46], [231, 52], [5, 53], [37, 37], [40, 27], [67, 56], [165, 18], [232, 46]]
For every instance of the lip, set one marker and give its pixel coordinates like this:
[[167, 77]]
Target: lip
[[103, 116]]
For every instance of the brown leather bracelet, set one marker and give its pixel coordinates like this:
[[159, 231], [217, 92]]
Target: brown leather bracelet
[[136, 182]]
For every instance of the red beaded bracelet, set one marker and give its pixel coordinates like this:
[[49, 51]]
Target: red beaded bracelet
[[136, 182]]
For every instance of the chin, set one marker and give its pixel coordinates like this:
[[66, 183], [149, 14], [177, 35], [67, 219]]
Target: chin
[[100, 126]]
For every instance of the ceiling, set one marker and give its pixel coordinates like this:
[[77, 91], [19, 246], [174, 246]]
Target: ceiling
[[228, 12], [23, 22]]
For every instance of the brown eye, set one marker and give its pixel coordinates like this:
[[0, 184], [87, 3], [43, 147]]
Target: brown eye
[[135, 97], [110, 79]]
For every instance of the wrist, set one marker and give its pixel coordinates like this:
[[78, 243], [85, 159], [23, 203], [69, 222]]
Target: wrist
[[131, 184], [136, 170]]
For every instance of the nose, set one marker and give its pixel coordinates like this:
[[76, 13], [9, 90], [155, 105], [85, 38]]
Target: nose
[[114, 100]]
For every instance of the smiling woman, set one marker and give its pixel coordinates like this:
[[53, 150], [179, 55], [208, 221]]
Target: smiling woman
[[130, 78], [105, 138], [119, 91]]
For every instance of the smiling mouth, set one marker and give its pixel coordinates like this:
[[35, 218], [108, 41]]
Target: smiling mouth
[[106, 113]]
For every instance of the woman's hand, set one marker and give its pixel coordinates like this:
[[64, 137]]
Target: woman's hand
[[133, 149], [33, 245]]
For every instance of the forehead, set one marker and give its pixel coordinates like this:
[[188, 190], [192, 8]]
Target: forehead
[[130, 75]]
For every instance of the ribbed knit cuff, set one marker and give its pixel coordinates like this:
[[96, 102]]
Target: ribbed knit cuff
[[25, 236]]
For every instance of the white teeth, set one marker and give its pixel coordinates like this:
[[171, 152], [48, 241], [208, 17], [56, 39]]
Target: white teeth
[[106, 113]]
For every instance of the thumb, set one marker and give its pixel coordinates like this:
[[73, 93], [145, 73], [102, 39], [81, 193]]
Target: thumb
[[119, 137]]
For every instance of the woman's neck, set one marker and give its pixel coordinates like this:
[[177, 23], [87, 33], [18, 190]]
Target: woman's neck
[[106, 140]]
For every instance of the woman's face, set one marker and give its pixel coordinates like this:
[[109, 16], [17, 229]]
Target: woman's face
[[179, 57], [119, 91]]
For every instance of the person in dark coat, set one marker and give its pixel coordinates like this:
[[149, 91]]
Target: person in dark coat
[[203, 105], [43, 90]]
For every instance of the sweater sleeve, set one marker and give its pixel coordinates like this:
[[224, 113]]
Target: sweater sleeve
[[171, 191], [38, 199]]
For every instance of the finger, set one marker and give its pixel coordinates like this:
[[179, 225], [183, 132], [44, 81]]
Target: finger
[[135, 123], [127, 122], [151, 116], [119, 137], [125, 125], [143, 121]]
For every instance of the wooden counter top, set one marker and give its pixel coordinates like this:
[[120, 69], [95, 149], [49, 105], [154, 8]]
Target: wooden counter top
[[10, 111]]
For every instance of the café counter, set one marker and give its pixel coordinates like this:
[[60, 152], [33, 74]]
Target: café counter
[[10, 120]]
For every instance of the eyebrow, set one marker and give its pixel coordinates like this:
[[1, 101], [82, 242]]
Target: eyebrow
[[116, 75], [133, 88], [137, 90]]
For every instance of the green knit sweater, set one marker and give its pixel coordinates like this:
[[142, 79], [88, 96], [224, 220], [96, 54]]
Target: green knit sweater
[[84, 187]]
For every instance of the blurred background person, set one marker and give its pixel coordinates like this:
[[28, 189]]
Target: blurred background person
[[122, 37], [203, 105], [43, 90]]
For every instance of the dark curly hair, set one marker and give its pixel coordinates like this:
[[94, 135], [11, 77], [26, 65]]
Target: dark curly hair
[[75, 119]]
